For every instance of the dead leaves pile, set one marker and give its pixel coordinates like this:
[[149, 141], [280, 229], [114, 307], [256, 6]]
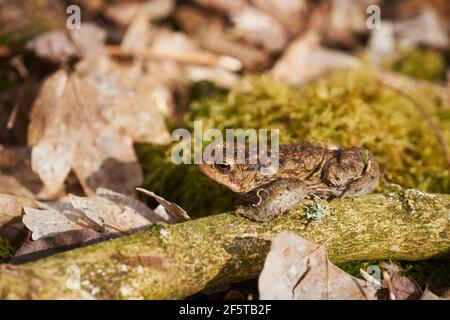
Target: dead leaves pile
[[108, 211], [297, 269], [73, 220], [87, 121]]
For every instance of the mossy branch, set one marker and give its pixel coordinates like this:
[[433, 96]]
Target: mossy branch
[[174, 261]]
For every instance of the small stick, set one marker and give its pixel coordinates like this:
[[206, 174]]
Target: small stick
[[201, 58]]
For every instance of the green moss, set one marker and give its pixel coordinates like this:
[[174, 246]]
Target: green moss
[[426, 64], [354, 267], [432, 273], [6, 250], [350, 108]]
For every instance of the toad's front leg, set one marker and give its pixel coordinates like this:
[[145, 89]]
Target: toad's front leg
[[274, 199]]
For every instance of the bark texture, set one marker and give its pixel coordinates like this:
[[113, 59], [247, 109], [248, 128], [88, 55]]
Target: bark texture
[[174, 261]]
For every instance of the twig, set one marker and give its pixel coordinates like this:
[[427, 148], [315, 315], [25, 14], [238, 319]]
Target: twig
[[201, 58]]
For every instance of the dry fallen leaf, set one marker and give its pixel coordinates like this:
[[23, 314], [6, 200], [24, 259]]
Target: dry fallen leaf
[[138, 33], [19, 185], [176, 213], [124, 12], [114, 211], [61, 46], [11, 207], [401, 287], [224, 6], [93, 6], [428, 295], [296, 269], [87, 121], [305, 60], [90, 39], [16, 176], [51, 218], [74, 221], [293, 15], [347, 19], [424, 29], [54, 46], [258, 28], [341, 22], [107, 212]]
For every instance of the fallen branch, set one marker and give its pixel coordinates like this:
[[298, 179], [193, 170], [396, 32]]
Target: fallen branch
[[174, 261]]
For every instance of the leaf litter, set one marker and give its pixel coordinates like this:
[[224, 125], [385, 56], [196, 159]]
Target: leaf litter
[[86, 121], [74, 220], [107, 211], [297, 269]]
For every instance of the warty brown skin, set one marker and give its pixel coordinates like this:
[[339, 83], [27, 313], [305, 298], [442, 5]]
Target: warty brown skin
[[314, 168]]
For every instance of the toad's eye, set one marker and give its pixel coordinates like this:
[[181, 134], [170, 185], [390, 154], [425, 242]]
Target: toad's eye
[[223, 167]]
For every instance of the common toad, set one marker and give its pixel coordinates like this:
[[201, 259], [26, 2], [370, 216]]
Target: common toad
[[305, 169]]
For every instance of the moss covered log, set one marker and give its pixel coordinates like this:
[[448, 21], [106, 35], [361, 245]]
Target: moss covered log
[[174, 261]]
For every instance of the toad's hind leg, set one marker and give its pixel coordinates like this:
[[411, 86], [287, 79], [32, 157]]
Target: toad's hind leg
[[273, 200], [366, 182]]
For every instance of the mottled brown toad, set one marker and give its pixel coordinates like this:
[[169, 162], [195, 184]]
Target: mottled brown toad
[[305, 169]]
